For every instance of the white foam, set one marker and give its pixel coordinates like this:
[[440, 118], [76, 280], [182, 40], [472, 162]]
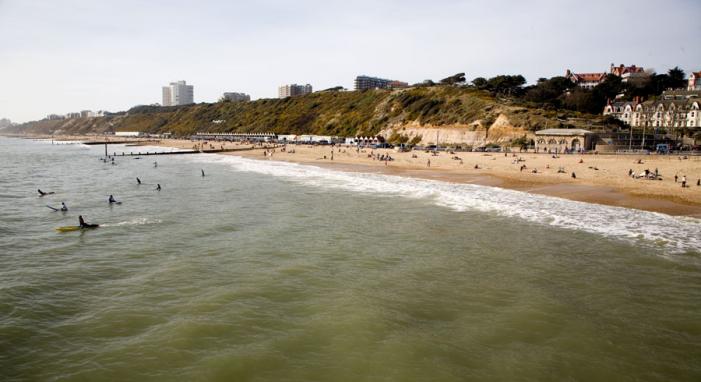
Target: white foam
[[136, 221], [674, 234]]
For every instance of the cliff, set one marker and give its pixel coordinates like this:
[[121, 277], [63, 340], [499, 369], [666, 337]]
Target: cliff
[[458, 115]]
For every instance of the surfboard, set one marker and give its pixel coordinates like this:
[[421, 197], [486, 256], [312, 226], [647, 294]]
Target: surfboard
[[71, 228], [68, 228], [55, 209]]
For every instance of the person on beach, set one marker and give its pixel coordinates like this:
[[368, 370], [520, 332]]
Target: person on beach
[[64, 208], [428, 163], [155, 164], [138, 181], [574, 176], [675, 178], [158, 187], [202, 172], [684, 181]]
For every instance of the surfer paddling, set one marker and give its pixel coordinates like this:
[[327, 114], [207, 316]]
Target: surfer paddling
[[42, 193], [83, 224], [113, 201]]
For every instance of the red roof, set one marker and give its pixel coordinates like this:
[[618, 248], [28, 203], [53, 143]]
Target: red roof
[[622, 69], [589, 77]]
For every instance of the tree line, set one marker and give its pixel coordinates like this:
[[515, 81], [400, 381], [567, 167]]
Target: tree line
[[561, 93]]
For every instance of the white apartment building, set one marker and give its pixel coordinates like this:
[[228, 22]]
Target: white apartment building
[[178, 93], [293, 90]]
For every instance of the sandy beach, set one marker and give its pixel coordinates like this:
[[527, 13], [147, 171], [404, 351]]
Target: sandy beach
[[600, 179]]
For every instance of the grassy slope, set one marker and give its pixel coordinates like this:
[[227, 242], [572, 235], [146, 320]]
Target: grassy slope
[[327, 113]]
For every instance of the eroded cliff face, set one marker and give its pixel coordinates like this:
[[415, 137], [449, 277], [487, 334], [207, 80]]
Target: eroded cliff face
[[501, 131]]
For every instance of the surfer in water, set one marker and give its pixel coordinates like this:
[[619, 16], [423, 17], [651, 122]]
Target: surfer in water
[[155, 164], [42, 193], [64, 208], [158, 187], [83, 224], [111, 200], [138, 181], [202, 172]]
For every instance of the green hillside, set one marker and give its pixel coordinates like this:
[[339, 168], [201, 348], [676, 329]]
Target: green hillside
[[325, 113]]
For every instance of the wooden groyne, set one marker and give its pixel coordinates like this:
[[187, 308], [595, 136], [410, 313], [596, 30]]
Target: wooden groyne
[[91, 143], [182, 152]]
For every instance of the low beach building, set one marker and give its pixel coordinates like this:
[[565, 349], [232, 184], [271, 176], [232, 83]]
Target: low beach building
[[564, 140], [129, 133]]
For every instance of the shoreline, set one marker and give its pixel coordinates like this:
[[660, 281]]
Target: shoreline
[[601, 179], [575, 192]]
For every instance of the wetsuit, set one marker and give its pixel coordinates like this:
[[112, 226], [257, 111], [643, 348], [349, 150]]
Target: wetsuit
[[83, 224]]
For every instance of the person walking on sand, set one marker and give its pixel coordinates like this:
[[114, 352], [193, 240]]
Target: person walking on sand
[[684, 181], [428, 163], [574, 176], [675, 178]]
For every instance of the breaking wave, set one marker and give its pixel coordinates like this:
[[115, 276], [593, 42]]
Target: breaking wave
[[673, 233]]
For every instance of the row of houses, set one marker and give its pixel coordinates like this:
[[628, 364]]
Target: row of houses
[[674, 109]]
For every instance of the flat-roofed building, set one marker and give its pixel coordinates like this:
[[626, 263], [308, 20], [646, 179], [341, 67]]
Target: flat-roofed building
[[561, 140], [367, 82], [177, 93], [293, 90]]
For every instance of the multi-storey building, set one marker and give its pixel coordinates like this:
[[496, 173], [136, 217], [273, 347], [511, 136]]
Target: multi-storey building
[[694, 81], [674, 109], [367, 82], [178, 93], [631, 74], [236, 97], [293, 90]]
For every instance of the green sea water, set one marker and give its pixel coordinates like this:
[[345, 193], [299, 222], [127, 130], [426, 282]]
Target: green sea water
[[264, 271]]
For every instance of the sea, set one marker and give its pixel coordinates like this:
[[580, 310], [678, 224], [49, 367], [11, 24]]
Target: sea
[[271, 271]]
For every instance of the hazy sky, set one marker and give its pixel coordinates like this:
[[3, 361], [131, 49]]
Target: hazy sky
[[61, 56]]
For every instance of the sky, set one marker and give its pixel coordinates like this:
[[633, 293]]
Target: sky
[[60, 56]]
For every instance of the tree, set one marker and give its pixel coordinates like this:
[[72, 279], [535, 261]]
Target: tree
[[454, 79], [548, 91], [506, 84], [480, 83], [677, 78]]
